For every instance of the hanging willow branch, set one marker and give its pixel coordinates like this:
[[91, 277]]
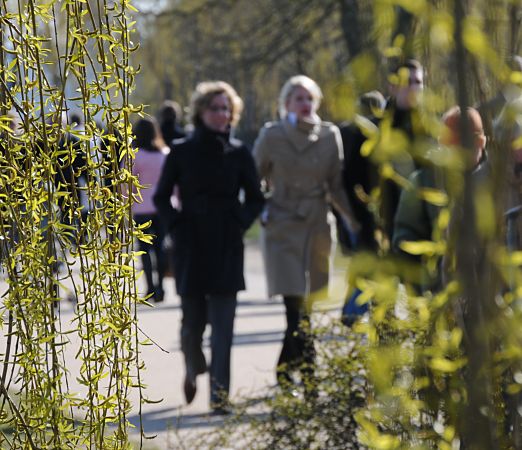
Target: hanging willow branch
[[65, 228]]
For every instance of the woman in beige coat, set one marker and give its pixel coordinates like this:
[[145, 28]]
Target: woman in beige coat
[[298, 158]]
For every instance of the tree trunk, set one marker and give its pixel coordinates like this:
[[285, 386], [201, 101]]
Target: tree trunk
[[478, 430], [351, 27], [405, 26], [515, 15]]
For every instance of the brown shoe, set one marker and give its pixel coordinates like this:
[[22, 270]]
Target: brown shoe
[[189, 388]]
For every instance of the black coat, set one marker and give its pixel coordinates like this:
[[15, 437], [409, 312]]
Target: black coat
[[210, 170], [364, 171], [359, 170], [171, 131]]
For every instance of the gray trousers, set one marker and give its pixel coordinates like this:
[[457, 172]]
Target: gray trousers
[[219, 311]]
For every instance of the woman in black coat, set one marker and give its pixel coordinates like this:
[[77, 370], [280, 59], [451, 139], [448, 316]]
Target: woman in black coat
[[210, 168]]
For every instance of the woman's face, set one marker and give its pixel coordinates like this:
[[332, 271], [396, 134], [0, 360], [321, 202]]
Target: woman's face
[[218, 114], [301, 103]]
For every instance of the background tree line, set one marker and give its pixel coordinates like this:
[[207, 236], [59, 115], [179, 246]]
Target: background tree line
[[345, 45]]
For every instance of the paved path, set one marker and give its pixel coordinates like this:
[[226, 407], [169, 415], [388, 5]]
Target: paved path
[[258, 335], [259, 331]]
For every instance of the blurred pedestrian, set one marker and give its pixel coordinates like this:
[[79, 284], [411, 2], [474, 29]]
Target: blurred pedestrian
[[360, 174], [170, 113], [511, 89], [508, 133], [70, 174], [298, 159], [403, 117], [211, 169], [416, 217], [360, 178], [12, 155], [147, 166]]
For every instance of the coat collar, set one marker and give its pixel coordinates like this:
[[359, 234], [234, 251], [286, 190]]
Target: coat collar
[[302, 135], [205, 133], [213, 140]]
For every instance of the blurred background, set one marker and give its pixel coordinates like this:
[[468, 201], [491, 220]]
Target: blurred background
[[345, 45]]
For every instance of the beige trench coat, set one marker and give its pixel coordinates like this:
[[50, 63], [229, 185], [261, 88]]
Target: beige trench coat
[[302, 169]]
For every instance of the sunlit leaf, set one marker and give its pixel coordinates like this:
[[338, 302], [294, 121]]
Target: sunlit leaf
[[422, 247], [446, 365], [433, 196]]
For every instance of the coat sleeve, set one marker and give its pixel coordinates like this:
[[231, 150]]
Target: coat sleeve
[[336, 190], [261, 152], [254, 199], [164, 189]]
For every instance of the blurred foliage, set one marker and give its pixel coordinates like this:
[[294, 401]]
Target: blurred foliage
[[441, 367]]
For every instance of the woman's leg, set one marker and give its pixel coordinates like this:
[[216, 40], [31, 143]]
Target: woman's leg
[[298, 348], [193, 322], [221, 312], [291, 350], [161, 258]]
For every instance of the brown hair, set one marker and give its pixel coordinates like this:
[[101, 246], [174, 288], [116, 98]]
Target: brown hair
[[147, 135], [203, 95], [170, 111]]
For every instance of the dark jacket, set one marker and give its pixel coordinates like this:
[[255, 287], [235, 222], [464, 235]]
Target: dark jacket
[[170, 131], [415, 217], [358, 171], [364, 171], [415, 221], [405, 160], [209, 169]]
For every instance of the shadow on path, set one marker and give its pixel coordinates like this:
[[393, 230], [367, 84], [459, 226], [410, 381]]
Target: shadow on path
[[172, 419], [258, 338], [261, 303]]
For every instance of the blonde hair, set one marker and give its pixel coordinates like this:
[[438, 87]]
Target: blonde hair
[[203, 95], [289, 87]]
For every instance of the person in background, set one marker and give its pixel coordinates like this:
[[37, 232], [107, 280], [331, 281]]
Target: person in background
[[11, 158], [360, 175], [490, 110], [416, 217], [360, 178], [508, 132], [149, 158], [112, 145], [170, 113], [299, 160], [401, 145], [402, 128], [210, 169], [72, 168]]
